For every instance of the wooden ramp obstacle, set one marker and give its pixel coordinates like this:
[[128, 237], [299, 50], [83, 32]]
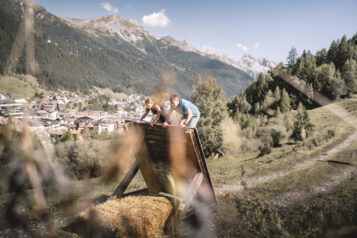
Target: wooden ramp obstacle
[[173, 165]]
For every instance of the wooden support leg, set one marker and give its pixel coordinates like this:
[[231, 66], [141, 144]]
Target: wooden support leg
[[126, 180]]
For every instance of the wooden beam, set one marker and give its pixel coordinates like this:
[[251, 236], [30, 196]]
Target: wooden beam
[[118, 192], [145, 165]]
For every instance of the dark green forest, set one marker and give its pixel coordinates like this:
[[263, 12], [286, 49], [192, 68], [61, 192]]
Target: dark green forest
[[331, 72]]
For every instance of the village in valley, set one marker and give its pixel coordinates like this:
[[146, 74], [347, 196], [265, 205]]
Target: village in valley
[[51, 113]]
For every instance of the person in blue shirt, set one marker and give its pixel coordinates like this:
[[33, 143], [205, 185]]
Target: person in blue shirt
[[189, 111]]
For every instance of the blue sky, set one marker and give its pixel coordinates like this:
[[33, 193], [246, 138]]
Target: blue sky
[[260, 28]]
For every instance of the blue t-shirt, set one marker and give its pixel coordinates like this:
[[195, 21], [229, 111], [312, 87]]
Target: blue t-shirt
[[184, 106]]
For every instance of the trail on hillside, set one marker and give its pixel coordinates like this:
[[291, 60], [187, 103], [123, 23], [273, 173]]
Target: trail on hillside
[[289, 198], [252, 182]]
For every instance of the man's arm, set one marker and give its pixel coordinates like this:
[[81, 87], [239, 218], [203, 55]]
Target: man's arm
[[188, 118], [167, 118]]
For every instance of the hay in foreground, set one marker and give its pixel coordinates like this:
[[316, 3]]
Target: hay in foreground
[[141, 216]]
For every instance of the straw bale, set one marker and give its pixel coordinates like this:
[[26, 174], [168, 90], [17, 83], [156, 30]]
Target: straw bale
[[136, 216]]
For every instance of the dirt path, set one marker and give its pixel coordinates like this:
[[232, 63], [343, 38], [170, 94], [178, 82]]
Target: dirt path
[[289, 198], [252, 182]]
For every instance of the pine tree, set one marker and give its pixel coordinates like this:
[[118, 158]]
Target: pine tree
[[209, 98], [262, 87], [277, 94], [268, 100], [300, 66], [310, 68], [284, 101], [292, 58], [302, 125], [321, 57], [345, 52], [277, 112], [238, 104], [332, 52], [349, 75]]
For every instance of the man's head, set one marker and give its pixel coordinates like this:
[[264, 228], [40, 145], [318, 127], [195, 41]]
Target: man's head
[[149, 102], [174, 100]]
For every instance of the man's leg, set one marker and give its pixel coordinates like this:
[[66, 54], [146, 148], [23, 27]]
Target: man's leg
[[193, 122]]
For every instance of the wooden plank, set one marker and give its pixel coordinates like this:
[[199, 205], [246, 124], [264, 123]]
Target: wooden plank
[[118, 192], [203, 166], [145, 165]]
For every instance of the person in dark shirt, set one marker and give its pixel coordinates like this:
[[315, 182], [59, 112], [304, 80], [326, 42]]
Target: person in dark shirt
[[156, 109]]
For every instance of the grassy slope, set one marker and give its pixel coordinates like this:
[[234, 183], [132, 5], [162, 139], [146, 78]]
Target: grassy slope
[[20, 86], [323, 214], [228, 169]]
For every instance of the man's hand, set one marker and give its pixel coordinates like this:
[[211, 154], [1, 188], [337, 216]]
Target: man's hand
[[152, 124], [182, 125], [164, 125]]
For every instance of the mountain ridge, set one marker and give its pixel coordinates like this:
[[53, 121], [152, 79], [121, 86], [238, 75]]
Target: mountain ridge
[[77, 59]]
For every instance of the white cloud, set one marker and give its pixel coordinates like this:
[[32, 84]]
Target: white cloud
[[257, 45], [108, 7], [156, 19], [241, 46]]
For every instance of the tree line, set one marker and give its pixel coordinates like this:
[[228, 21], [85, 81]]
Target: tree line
[[332, 73]]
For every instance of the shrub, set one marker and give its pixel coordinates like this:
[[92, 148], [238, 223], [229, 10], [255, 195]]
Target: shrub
[[264, 149], [265, 137], [82, 159], [277, 136]]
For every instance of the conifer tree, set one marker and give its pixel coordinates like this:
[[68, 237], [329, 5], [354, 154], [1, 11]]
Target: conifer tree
[[277, 94], [321, 57], [284, 101], [268, 100], [209, 98], [349, 75], [302, 125], [262, 87], [292, 58]]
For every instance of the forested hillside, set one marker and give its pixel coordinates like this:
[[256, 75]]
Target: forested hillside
[[331, 73], [71, 58]]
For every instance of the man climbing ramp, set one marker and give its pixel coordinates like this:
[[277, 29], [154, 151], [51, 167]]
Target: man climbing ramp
[[189, 111]]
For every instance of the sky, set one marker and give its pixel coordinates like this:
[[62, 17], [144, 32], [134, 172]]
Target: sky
[[260, 28]]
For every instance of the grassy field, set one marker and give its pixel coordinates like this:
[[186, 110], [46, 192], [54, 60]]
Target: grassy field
[[20, 86]]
